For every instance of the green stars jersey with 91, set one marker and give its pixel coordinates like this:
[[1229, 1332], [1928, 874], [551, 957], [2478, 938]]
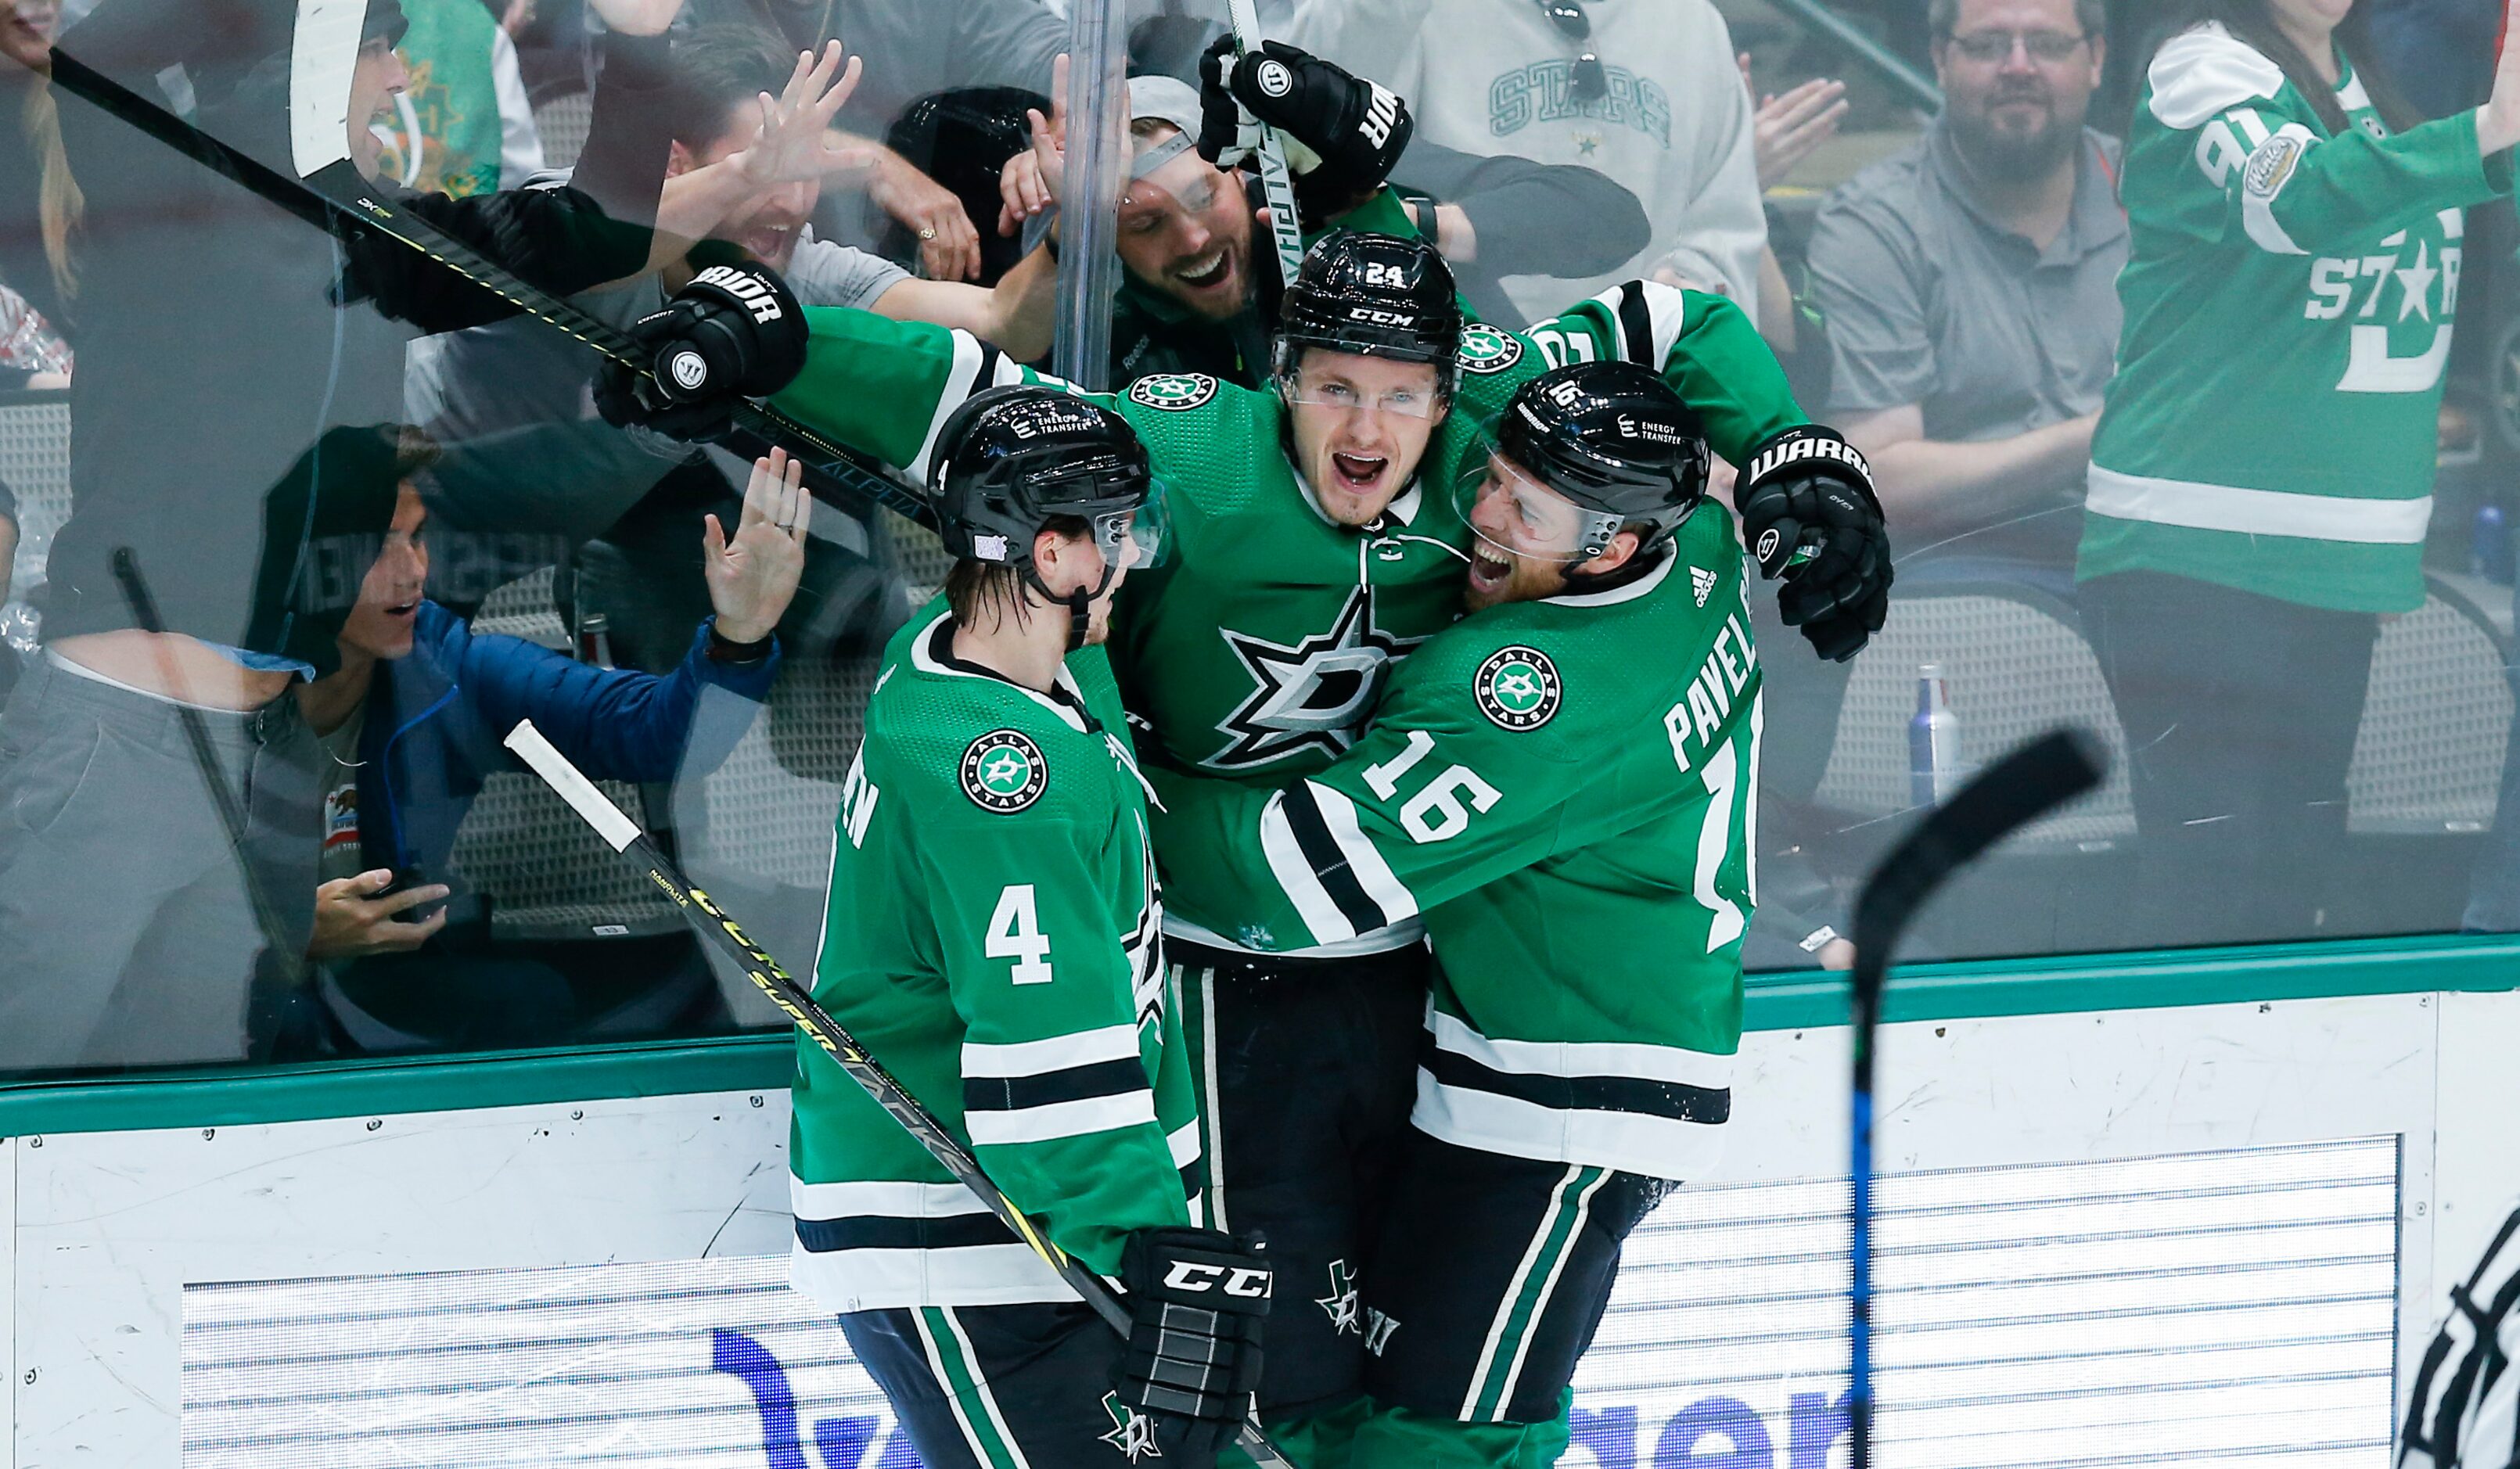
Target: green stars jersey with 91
[[1256, 652], [993, 939], [1564, 790], [2288, 306]]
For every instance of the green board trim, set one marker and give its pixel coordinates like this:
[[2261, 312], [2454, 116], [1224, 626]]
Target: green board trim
[[1799, 1000]]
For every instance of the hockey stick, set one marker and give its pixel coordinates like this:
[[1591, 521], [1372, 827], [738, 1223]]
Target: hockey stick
[[1276, 185], [624, 835], [338, 201], [2017, 790]]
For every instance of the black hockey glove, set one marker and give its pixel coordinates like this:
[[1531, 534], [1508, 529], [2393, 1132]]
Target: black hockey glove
[[1197, 1299], [735, 331], [1809, 516], [1342, 133]]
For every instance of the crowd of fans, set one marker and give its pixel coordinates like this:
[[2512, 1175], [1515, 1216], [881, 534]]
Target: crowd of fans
[[238, 754]]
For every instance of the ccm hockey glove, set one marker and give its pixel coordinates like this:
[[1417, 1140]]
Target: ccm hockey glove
[[735, 331], [1197, 1299], [1809, 516], [1342, 133]]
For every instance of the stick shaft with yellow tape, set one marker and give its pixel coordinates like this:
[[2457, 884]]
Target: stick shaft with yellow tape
[[721, 932]]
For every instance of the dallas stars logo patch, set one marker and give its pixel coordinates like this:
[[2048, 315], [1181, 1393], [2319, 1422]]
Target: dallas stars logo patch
[[1312, 697], [1345, 1314], [1130, 1433], [1485, 350], [1003, 771], [1517, 687], [1173, 392], [1702, 582]]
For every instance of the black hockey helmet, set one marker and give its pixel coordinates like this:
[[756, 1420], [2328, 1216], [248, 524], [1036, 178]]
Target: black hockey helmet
[[1613, 438], [1381, 295], [1011, 460]]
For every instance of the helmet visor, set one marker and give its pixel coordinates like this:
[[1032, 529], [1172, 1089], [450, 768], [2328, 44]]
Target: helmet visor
[[1135, 538], [1514, 514]]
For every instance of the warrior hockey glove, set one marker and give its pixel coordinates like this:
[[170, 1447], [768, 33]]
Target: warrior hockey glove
[[1809, 516], [735, 331], [1342, 134], [1196, 1298]]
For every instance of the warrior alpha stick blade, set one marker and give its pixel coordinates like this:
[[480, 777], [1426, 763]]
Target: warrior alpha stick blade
[[710, 921], [2017, 790]]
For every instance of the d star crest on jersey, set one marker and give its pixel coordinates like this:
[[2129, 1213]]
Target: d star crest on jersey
[[1003, 771], [1517, 687], [1312, 697]]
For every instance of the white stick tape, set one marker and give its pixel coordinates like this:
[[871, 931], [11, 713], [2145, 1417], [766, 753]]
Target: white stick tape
[[617, 831]]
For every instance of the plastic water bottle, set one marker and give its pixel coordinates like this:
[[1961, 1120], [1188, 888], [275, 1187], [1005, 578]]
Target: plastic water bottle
[[1934, 769], [595, 639], [2490, 555]]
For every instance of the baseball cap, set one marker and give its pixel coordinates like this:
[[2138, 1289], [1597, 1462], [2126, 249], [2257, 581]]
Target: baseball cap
[[1163, 99]]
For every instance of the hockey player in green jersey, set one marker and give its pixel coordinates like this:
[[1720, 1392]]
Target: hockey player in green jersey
[[2252, 515], [1316, 543], [994, 938], [1560, 787]]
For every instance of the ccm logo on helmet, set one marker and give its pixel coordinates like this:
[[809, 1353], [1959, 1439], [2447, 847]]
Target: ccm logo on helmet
[[745, 286], [1374, 317], [1189, 1276], [1807, 446]]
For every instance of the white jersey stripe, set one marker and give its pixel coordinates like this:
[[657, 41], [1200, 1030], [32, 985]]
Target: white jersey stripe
[[2257, 512], [1373, 874], [1085, 1047], [1580, 1058], [1654, 1147], [961, 381], [1068, 1119], [1184, 1144], [1294, 873], [895, 1200]]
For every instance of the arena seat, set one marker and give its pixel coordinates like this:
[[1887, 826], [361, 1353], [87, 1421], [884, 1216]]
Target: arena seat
[[2017, 666], [2429, 755], [35, 465], [561, 122]]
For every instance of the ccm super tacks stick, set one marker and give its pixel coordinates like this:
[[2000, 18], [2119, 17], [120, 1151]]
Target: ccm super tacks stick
[[2017, 790], [624, 835]]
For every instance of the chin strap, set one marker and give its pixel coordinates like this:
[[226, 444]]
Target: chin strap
[[1610, 581], [1079, 602]]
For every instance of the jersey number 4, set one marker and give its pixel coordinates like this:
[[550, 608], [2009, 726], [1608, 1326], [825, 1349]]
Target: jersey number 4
[[1014, 932]]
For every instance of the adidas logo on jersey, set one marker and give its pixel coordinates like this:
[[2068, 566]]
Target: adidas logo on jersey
[[1702, 582]]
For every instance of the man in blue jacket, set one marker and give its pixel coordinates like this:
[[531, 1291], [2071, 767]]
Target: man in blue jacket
[[411, 724]]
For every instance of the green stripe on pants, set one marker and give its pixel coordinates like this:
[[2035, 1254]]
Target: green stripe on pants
[[1528, 1296]]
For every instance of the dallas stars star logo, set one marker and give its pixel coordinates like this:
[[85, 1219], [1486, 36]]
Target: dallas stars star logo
[[1130, 1433], [1312, 697], [1342, 1303], [1003, 771]]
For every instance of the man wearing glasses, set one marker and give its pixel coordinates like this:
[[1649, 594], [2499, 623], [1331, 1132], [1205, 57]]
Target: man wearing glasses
[[1969, 284], [1644, 92]]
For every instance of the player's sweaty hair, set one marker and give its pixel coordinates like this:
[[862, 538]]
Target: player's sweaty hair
[[976, 590]]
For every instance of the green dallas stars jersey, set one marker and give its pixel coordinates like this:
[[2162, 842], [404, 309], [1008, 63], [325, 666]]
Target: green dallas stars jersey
[[993, 939], [2288, 309], [1257, 650], [1564, 790]]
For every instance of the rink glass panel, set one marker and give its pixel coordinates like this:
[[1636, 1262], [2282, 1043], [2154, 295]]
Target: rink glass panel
[[554, 941]]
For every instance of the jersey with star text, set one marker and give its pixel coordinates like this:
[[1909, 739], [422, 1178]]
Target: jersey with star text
[[993, 938], [2299, 466], [1257, 650], [1565, 793]]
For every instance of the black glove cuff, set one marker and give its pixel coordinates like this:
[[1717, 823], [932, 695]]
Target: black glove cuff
[[1205, 1269], [1808, 449]]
